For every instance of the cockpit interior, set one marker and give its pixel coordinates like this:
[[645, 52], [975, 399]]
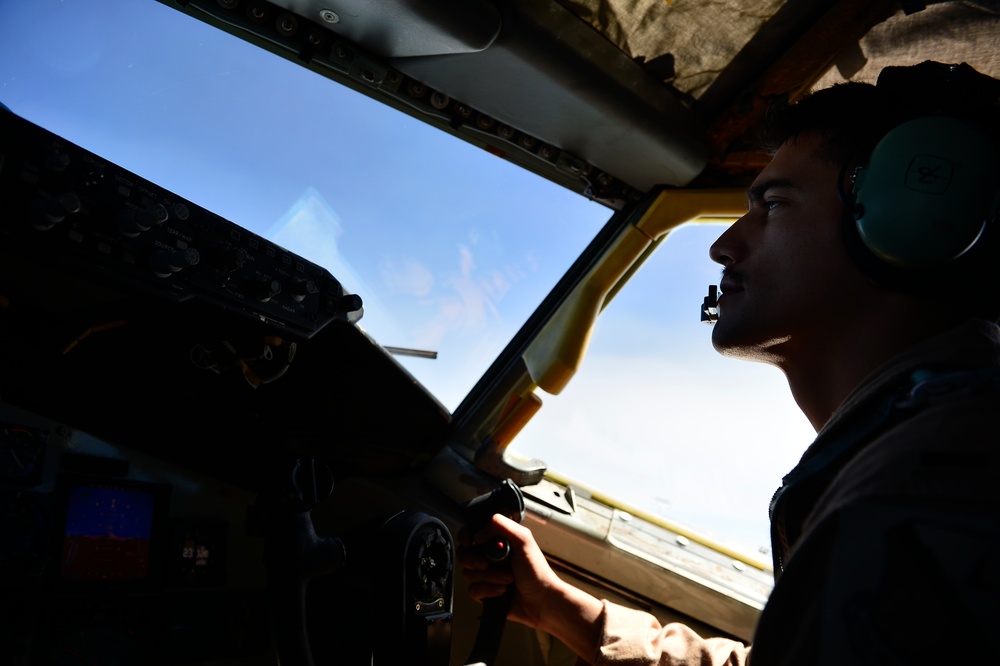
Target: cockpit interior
[[250, 390]]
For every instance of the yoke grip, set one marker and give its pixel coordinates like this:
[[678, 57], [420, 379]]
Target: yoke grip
[[507, 500]]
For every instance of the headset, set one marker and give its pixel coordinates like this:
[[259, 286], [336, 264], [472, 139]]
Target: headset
[[929, 191], [922, 196]]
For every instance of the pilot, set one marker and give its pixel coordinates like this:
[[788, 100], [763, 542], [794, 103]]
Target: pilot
[[866, 270]]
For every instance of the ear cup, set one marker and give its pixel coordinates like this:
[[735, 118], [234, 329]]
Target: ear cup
[[927, 193]]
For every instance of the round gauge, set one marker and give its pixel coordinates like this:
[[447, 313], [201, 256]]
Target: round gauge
[[434, 560]]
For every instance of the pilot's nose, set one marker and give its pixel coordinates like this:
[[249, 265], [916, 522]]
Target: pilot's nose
[[725, 250]]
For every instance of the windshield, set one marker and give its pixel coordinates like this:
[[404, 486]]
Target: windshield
[[450, 247]]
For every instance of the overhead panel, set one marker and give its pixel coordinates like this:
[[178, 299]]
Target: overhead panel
[[406, 28], [555, 77]]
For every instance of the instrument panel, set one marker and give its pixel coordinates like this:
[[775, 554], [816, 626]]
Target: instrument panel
[[64, 205]]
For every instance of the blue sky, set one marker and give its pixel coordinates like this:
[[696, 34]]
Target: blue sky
[[451, 247]]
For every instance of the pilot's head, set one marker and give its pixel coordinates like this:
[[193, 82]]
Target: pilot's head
[[919, 166], [878, 206]]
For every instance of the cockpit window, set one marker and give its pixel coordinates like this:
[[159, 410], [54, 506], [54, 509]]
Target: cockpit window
[[658, 421], [450, 247]]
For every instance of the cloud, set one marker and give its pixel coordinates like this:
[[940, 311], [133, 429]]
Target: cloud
[[468, 303], [409, 277]]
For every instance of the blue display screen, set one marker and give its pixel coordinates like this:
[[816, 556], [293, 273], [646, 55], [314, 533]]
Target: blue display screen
[[108, 534]]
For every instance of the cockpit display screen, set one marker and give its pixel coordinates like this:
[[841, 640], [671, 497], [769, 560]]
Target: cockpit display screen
[[108, 533]]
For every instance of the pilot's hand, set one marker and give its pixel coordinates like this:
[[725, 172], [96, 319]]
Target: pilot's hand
[[540, 598], [526, 569]]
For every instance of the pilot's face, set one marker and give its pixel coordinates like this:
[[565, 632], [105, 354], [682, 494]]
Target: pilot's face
[[787, 279]]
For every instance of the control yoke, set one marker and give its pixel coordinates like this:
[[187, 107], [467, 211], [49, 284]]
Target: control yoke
[[294, 554], [507, 500]]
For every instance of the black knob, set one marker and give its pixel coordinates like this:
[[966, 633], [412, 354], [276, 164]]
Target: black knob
[[345, 303], [299, 289], [165, 263], [134, 221], [46, 212], [70, 202], [179, 212], [265, 290]]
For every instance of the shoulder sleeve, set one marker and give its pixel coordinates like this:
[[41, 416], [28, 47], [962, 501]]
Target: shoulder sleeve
[[634, 638]]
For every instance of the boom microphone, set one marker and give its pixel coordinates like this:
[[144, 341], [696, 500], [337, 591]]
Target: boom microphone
[[710, 305]]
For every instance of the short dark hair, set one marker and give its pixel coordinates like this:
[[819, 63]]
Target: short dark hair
[[832, 113], [851, 117]]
